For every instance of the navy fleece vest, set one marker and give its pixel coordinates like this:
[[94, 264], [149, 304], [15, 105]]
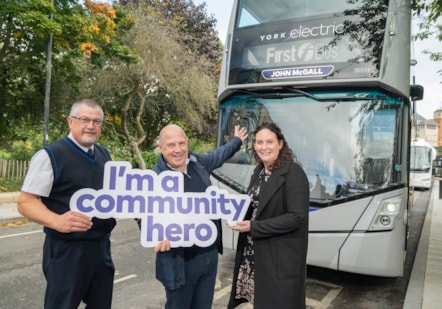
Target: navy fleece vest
[[75, 170]]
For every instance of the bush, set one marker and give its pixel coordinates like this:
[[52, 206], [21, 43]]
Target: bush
[[26, 144], [10, 185], [150, 157]]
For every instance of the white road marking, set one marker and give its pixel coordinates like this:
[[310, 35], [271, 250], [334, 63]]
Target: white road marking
[[20, 234], [125, 278], [220, 293], [328, 298], [324, 303]]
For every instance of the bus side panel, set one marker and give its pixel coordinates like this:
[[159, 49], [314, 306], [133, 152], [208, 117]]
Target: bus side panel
[[329, 228], [357, 248], [375, 254], [323, 249], [338, 218]]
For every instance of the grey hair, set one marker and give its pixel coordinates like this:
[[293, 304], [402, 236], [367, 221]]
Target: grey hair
[[88, 102]]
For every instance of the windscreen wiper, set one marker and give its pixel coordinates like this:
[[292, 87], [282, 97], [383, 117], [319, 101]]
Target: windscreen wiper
[[290, 92], [321, 99], [294, 93]]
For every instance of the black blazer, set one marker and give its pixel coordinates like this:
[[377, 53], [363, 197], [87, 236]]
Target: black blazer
[[280, 237]]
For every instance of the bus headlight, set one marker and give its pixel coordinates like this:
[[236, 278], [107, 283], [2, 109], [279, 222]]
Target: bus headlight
[[391, 207], [387, 214]]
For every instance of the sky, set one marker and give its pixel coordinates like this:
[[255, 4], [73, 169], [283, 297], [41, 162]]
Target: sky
[[425, 71]]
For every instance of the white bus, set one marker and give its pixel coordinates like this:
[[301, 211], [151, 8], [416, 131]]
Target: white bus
[[335, 76], [422, 156]]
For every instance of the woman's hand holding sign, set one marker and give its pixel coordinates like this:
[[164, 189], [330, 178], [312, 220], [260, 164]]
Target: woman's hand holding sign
[[241, 226]]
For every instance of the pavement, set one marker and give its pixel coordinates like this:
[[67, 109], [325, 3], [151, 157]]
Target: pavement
[[8, 208], [424, 289], [425, 286]]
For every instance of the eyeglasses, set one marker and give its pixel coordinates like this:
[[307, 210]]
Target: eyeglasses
[[86, 121]]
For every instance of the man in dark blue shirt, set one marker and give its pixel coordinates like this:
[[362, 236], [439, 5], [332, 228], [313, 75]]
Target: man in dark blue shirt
[[189, 274]]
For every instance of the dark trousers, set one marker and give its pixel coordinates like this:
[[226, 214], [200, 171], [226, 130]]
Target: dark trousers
[[200, 276], [76, 271]]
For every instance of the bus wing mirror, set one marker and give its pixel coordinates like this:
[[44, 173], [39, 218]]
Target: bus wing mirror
[[416, 92]]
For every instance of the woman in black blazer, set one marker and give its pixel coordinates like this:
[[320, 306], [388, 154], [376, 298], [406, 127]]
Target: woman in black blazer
[[270, 264]]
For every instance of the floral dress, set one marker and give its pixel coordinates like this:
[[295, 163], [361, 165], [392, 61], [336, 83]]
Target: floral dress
[[245, 284]]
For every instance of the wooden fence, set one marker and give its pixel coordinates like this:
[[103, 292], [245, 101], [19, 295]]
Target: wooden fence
[[13, 169]]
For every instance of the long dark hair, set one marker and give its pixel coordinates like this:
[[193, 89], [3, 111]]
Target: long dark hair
[[285, 154]]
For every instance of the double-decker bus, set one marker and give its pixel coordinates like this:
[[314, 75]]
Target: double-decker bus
[[335, 76], [422, 155]]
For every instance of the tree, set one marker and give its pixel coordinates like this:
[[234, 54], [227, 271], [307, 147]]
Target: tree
[[197, 35], [90, 30], [165, 84], [197, 30], [430, 24]]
